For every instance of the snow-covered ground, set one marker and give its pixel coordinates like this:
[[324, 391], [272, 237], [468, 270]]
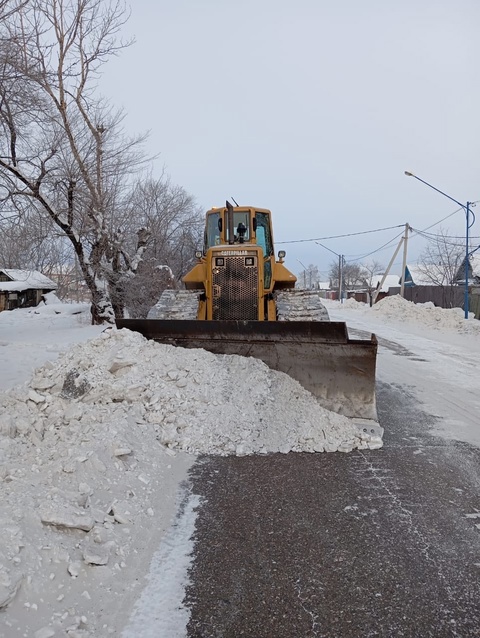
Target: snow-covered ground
[[95, 445], [438, 359]]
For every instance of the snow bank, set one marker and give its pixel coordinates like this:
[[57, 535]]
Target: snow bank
[[421, 314], [427, 314], [353, 303]]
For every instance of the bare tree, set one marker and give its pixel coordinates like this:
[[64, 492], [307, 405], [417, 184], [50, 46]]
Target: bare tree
[[175, 222], [9, 7], [176, 226], [145, 289], [370, 270], [33, 243], [440, 263], [62, 150], [353, 275], [310, 277]]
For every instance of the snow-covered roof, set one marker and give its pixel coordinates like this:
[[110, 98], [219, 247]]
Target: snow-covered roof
[[25, 280], [323, 285], [420, 276], [475, 263], [391, 281], [474, 269]]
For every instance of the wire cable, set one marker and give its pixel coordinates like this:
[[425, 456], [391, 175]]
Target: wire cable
[[376, 250], [364, 232]]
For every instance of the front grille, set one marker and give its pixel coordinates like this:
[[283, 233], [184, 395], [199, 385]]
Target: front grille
[[235, 290]]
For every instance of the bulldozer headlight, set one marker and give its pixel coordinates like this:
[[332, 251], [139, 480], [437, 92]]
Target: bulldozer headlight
[[198, 254], [249, 261], [281, 254], [219, 261]]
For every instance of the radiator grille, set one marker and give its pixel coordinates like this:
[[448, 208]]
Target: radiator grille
[[235, 287]]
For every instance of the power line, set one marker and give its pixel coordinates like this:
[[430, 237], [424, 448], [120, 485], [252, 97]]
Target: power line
[[442, 220], [377, 249], [442, 240], [327, 248], [364, 232], [434, 235]]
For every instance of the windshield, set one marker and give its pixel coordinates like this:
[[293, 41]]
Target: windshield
[[242, 217]]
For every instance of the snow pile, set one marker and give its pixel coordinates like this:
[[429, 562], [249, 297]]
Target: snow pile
[[427, 314], [52, 305], [191, 399], [353, 303]]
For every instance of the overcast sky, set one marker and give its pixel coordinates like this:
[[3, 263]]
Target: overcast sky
[[313, 109]]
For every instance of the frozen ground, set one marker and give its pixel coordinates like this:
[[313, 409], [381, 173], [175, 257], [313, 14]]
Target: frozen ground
[[96, 443]]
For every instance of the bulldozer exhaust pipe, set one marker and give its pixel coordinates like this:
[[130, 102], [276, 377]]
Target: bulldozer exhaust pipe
[[231, 226]]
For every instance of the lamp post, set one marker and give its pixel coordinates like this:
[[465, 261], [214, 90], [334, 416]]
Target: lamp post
[[341, 265], [304, 274], [468, 225]]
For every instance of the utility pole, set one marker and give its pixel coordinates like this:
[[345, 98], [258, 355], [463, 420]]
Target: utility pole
[[375, 294], [340, 282], [341, 265], [304, 274], [404, 262]]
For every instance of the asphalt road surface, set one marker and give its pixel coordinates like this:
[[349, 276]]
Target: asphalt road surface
[[370, 543]]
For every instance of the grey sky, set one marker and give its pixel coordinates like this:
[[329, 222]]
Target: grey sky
[[313, 109]]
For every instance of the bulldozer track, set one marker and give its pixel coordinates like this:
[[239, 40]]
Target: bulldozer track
[[175, 304], [292, 305], [300, 305]]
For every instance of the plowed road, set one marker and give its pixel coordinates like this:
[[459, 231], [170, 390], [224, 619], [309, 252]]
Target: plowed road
[[380, 543]]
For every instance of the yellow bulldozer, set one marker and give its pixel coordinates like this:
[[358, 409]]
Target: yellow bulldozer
[[240, 299]]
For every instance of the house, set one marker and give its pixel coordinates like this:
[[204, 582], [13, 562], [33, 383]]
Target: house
[[391, 281], [473, 270], [443, 275], [22, 288], [423, 276], [323, 287], [364, 293]]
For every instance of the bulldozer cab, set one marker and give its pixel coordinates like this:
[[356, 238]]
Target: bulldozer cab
[[237, 267], [249, 226]]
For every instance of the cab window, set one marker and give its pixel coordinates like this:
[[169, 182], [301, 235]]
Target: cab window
[[212, 231], [264, 236]]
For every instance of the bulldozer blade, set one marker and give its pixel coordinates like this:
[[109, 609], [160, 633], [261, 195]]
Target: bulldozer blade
[[339, 371]]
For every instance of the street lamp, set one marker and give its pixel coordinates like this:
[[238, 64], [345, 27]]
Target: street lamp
[[304, 274], [466, 208], [341, 265]]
